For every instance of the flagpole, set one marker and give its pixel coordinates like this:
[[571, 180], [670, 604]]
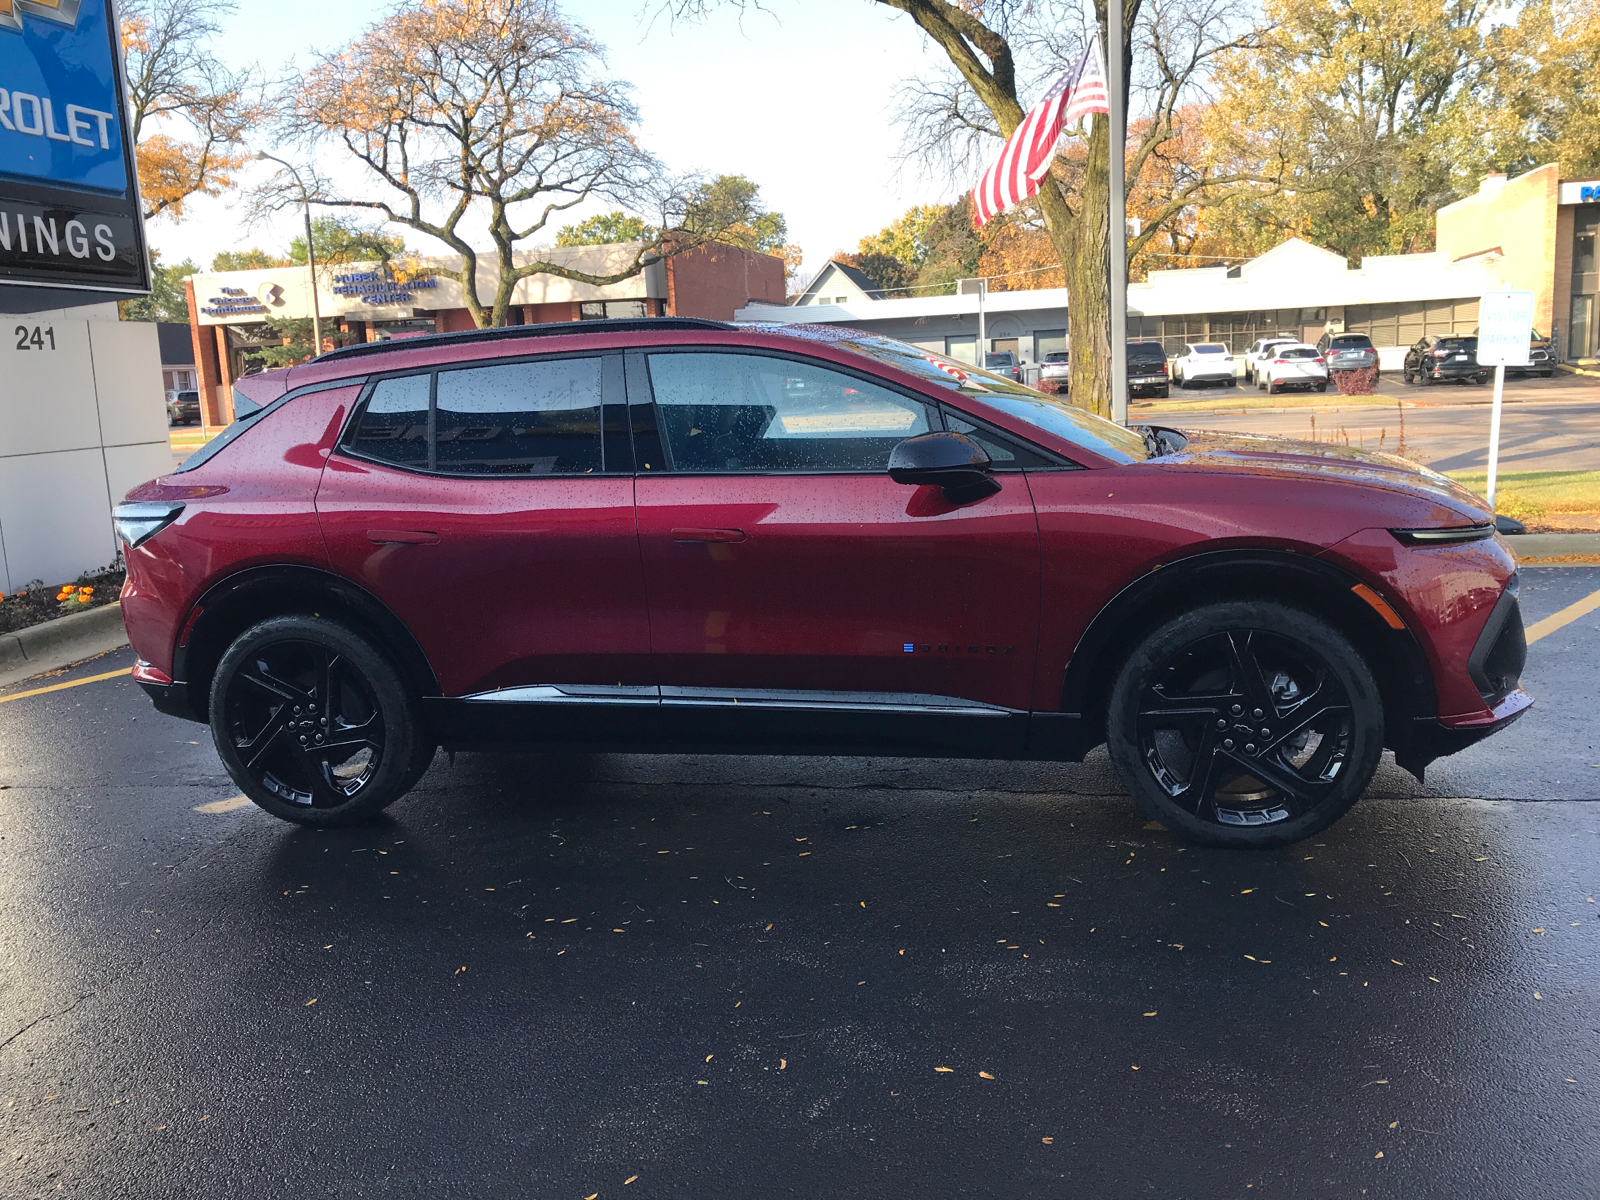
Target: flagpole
[[1118, 295]]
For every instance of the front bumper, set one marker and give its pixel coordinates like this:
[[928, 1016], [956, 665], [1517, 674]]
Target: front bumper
[[1431, 738], [169, 696]]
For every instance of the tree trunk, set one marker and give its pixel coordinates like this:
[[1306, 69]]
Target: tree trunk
[[1082, 240]]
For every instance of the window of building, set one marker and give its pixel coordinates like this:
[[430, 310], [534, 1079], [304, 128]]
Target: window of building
[[1048, 341], [394, 425], [963, 348], [747, 412], [535, 418]]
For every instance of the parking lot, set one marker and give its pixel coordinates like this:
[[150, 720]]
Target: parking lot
[[631, 976]]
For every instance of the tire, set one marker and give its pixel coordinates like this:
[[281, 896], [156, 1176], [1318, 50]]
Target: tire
[[1163, 392], [1323, 386], [1546, 374], [1274, 388], [379, 749], [172, 421], [1261, 383], [1224, 662]]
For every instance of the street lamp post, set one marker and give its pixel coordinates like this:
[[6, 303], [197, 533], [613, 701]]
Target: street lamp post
[[311, 253]]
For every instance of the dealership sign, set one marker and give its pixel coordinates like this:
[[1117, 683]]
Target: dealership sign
[[69, 200]]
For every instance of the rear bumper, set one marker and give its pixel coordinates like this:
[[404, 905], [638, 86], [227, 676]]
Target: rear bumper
[[1454, 371], [170, 696]]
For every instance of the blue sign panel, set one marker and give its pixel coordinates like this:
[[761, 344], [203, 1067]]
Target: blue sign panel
[[58, 95]]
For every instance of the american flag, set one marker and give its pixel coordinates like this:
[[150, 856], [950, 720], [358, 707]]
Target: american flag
[[1024, 159]]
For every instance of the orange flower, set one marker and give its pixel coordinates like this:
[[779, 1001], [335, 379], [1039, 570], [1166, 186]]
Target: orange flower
[[85, 591]]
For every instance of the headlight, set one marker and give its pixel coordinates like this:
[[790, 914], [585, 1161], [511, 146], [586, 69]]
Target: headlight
[[140, 521], [1444, 536]]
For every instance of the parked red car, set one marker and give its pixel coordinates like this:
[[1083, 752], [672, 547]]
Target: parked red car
[[680, 535]]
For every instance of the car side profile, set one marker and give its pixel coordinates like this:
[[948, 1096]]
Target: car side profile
[[685, 536], [1203, 362], [1292, 365], [1440, 359]]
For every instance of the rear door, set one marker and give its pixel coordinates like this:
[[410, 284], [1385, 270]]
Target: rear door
[[485, 507], [791, 579]]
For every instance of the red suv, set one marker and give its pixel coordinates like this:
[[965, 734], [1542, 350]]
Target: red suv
[[680, 535]]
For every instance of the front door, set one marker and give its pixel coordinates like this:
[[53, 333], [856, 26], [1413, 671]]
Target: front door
[[788, 573], [484, 506]]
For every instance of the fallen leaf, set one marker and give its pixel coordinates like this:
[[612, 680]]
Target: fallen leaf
[[783, 1064], [1397, 962], [1434, 980], [1394, 1124], [1379, 1154], [1149, 1014], [1047, 1141], [1251, 957], [944, 1070], [1247, 891], [981, 1075], [310, 1002], [702, 1082], [1324, 924], [629, 1180], [1536, 996], [768, 929], [708, 1058], [1136, 1068]]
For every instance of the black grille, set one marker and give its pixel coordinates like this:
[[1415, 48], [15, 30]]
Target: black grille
[[1502, 650]]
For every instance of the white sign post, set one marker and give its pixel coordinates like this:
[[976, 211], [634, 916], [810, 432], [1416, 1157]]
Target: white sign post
[[1505, 334]]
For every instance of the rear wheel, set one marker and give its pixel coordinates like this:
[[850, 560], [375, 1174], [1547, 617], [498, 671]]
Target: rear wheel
[[314, 723], [1245, 723], [1163, 392]]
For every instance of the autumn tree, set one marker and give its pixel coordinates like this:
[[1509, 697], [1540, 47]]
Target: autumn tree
[[471, 117], [187, 112], [955, 124]]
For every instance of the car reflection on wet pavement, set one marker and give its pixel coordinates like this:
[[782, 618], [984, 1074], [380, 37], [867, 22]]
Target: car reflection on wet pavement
[[550, 976]]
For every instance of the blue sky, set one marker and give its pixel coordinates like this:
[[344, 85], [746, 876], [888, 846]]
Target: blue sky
[[800, 98]]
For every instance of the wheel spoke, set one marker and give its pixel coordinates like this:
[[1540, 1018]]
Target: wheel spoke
[[1200, 794], [1247, 676], [1288, 783], [259, 677], [1300, 725], [253, 750]]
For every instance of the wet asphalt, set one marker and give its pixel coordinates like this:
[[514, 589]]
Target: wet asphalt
[[630, 977]]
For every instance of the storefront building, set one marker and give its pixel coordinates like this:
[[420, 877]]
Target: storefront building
[[1535, 232], [229, 311]]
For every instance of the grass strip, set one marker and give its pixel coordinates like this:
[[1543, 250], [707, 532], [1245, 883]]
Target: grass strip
[[1524, 494]]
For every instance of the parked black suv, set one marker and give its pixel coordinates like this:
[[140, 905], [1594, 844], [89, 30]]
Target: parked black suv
[[1147, 370], [1439, 357]]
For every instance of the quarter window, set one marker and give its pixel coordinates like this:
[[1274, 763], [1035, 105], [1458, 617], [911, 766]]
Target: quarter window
[[746, 412]]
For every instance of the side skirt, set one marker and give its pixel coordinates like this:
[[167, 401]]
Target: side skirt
[[585, 717]]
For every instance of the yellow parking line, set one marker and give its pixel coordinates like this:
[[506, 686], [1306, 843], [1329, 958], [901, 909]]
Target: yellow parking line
[[1566, 616], [57, 687]]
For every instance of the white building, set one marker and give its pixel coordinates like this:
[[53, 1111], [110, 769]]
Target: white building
[[1295, 289]]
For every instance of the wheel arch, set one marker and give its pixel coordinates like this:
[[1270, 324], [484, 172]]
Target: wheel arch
[[232, 604], [1396, 659]]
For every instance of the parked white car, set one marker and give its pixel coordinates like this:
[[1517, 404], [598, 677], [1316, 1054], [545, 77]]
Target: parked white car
[[1057, 365], [1262, 348], [1295, 365], [1203, 362]]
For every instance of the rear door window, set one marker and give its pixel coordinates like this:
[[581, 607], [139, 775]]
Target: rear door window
[[755, 413], [394, 424], [528, 418]]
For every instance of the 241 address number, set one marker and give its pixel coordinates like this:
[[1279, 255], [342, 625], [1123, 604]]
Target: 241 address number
[[36, 337]]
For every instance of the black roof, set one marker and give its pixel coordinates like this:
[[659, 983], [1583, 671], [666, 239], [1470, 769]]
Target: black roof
[[511, 332], [177, 344]]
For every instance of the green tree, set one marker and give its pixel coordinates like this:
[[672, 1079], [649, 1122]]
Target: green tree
[[345, 240], [299, 342], [253, 259], [906, 237], [166, 301], [885, 271], [605, 229], [729, 208]]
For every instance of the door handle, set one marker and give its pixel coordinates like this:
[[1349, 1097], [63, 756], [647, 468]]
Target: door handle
[[405, 537], [707, 535]]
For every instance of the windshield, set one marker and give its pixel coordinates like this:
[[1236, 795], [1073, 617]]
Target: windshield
[[1057, 356], [1459, 343], [1095, 434], [1146, 354], [1297, 352], [1210, 349], [1359, 341]]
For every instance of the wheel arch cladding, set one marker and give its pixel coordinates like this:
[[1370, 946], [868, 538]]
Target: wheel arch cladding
[[1397, 662], [232, 605]]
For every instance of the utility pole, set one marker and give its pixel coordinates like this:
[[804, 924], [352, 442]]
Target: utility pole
[[311, 252], [1118, 233]]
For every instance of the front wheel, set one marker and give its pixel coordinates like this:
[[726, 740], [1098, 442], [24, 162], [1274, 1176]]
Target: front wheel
[[314, 723], [1245, 723]]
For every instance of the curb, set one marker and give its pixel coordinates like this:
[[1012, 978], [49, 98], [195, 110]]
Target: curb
[[51, 645], [1555, 549], [1572, 370]]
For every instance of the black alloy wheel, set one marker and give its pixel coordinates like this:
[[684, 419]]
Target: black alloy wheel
[[1246, 723], [314, 723]]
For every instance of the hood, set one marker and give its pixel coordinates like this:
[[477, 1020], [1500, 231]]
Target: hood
[[1287, 457]]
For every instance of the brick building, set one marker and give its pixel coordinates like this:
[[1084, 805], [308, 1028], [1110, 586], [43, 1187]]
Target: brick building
[[228, 310]]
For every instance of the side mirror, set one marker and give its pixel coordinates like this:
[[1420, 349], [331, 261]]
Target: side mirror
[[950, 461]]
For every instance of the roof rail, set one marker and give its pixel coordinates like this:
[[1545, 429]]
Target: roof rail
[[504, 332]]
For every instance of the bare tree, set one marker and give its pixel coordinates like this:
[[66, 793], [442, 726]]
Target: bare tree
[[188, 113], [464, 113], [954, 125]]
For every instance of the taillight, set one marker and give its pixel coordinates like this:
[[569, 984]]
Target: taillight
[[1441, 353], [140, 521], [1278, 362], [1321, 362]]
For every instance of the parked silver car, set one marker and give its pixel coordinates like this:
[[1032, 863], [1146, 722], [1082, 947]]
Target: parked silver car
[[1348, 351], [1057, 365]]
